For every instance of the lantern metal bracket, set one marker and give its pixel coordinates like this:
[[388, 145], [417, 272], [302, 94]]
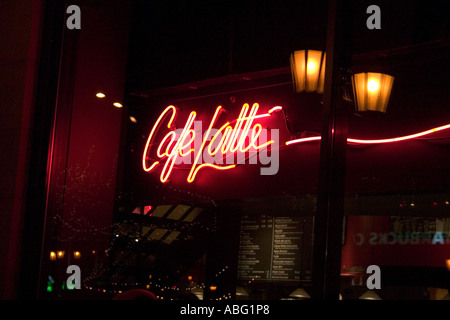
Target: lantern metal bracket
[[345, 78]]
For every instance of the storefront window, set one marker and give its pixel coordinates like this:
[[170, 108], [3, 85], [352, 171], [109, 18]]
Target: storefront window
[[183, 152]]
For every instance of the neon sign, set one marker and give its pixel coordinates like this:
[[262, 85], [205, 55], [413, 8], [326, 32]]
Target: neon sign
[[240, 136], [377, 141]]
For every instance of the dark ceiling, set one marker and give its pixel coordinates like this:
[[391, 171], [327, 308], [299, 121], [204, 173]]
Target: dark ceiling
[[176, 42]]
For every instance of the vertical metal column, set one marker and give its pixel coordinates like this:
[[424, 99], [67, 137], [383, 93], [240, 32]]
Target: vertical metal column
[[328, 222]]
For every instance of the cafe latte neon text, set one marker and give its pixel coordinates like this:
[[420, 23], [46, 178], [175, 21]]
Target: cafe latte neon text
[[235, 142]]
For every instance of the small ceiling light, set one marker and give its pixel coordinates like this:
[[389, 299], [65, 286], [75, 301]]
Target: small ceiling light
[[77, 255], [300, 293], [371, 91], [198, 292], [100, 95], [240, 291], [117, 105], [308, 70], [133, 119], [370, 295]]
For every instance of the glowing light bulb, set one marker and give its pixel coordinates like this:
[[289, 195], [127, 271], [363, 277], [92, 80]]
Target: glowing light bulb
[[373, 85], [100, 95], [311, 66], [117, 105]]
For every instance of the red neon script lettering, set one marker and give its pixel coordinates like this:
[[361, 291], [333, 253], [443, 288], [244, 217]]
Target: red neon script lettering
[[230, 138], [376, 141]]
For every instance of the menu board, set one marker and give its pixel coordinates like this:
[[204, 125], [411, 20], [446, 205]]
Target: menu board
[[271, 248]]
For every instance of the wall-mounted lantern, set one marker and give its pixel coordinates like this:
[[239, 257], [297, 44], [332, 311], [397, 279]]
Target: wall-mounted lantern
[[308, 70], [371, 91]]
